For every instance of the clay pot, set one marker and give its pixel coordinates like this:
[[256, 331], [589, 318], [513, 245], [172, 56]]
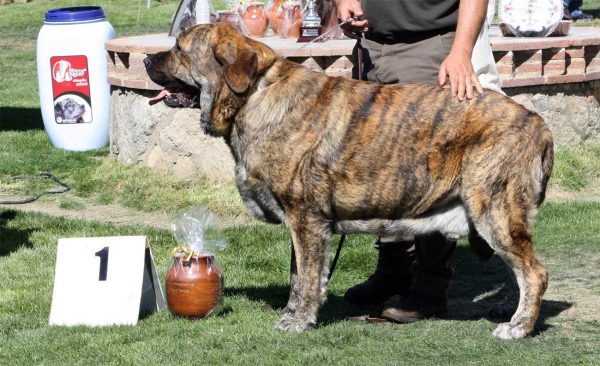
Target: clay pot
[[289, 19], [273, 9], [230, 17], [194, 290], [255, 21]]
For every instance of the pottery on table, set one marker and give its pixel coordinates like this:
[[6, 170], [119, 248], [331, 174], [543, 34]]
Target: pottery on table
[[289, 19], [194, 289], [230, 17], [273, 8], [255, 20]]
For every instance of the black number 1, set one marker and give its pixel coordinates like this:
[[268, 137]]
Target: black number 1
[[103, 254]]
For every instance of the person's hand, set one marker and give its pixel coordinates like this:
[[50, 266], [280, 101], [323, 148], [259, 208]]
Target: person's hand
[[347, 9], [458, 68]]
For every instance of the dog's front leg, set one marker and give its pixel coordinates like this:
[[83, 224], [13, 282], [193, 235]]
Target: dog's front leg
[[294, 299], [311, 237]]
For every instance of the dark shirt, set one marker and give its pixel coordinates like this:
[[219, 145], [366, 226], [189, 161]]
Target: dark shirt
[[397, 17]]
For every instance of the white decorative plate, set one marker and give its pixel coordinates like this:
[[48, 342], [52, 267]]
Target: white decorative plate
[[531, 18], [491, 11]]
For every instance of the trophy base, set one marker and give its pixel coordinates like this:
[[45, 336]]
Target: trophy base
[[308, 34]]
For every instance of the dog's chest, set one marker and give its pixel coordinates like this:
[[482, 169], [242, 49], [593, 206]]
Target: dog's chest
[[257, 197]]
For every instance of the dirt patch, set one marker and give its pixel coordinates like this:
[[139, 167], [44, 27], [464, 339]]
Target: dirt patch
[[589, 194], [576, 280], [114, 214]]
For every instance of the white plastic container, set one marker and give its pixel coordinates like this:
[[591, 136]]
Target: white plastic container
[[72, 75]]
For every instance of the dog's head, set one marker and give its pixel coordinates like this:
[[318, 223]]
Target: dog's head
[[69, 110], [215, 61]]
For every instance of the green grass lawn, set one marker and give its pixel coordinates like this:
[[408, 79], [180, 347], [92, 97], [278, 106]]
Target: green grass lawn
[[256, 263], [256, 275]]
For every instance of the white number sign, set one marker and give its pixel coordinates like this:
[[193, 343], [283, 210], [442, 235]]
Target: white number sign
[[104, 281]]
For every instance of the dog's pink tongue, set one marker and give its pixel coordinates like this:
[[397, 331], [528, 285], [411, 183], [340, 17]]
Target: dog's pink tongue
[[162, 95]]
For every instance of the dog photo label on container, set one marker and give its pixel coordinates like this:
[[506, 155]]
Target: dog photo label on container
[[71, 89]]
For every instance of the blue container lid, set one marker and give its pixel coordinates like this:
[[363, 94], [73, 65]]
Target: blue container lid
[[74, 14]]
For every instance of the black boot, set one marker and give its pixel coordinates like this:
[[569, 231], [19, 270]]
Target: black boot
[[428, 293], [393, 275]]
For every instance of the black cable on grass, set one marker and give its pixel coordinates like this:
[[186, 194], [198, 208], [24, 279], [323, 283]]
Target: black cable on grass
[[48, 174]]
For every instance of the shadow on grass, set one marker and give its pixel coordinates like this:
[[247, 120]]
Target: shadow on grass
[[476, 288], [20, 119], [12, 240]]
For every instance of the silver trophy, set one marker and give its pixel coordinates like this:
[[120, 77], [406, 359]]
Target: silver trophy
[[311, 24]]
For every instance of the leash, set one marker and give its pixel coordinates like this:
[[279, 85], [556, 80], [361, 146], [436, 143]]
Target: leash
[[320, 38], [337, 256], [48, 174], [360, 77]]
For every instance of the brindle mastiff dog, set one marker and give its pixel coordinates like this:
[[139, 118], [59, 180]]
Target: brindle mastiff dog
[[327, 155]]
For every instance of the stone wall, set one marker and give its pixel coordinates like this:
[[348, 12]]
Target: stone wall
[[170, 140], [165, 139], [571, 110]]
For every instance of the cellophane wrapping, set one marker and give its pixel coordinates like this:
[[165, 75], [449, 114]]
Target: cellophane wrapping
[[194, 281]]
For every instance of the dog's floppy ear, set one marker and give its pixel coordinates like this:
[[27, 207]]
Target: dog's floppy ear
[[239, 63]]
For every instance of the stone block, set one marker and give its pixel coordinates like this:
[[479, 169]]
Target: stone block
[[575, 51], [554, 67], [156, 160], [341, 62], [312, 64], [524, 81], [561, 79], [122, 59], [504, 70], [528, 63], [527, 57], [593, 65], [553, 54], [575, 66], [504, 57]]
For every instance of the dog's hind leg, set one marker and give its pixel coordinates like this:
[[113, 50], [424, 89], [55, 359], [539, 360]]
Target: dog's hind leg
[[505, 221], [480, 247], [311, 236]]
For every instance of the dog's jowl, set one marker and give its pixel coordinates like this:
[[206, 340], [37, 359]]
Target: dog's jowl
[[328, 155]]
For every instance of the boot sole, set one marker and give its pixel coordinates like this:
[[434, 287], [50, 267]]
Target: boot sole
[[408, 320]]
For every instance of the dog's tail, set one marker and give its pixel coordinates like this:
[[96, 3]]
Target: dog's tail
[[547, 162]]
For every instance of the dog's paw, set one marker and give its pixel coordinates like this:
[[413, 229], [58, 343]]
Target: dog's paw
[[508, 331], [287, 312], [293, 324]]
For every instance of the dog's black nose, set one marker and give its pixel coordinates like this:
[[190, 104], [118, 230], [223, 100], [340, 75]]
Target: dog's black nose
[[147, 61]]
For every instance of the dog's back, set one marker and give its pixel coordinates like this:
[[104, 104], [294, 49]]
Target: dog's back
[[393, 150]]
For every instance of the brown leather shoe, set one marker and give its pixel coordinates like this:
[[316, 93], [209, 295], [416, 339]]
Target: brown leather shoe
[[413, 307]]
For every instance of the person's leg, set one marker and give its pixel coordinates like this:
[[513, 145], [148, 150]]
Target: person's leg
[[574, 5], [393, 275], [484, 63], [411, 62], [428, 292]]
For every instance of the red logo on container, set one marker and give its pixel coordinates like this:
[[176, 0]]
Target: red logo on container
[[62, 71]]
